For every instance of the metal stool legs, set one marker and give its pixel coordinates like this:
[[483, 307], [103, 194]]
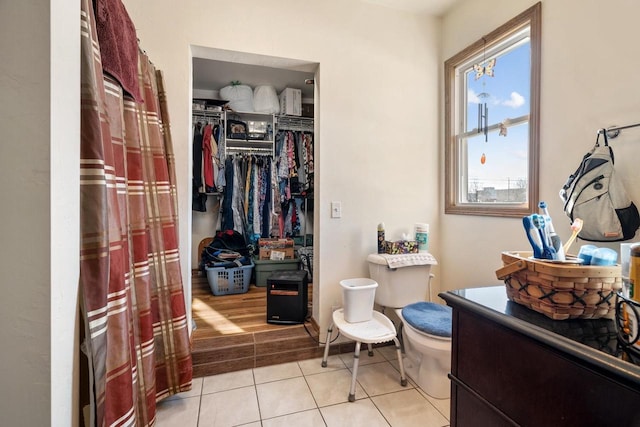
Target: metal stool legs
[[403, 377], [326, 346], [356, 361]]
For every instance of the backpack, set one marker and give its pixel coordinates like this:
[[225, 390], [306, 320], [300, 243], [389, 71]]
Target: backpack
[[227, 249], [595, 194]]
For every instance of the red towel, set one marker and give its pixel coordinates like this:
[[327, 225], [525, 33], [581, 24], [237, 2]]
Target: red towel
[[118, 45]]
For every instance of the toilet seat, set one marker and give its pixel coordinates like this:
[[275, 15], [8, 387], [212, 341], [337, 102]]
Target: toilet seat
[[428, 319]]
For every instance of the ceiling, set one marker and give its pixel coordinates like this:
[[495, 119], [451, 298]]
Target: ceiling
[[213, 74], [428, 7], [214, 69]]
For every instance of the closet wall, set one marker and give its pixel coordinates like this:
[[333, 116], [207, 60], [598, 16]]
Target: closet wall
[[376, 101], [209, 76]]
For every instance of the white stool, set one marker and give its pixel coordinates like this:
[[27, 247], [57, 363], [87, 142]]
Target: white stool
[[375, 331]]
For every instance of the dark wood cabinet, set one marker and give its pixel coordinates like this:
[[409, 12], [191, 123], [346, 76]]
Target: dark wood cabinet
[[509, 367]]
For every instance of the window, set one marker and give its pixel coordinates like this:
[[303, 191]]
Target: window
[[492, 92]]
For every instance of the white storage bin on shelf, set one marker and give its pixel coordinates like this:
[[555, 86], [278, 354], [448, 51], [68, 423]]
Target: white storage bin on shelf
[[357, 299], [291, 102]]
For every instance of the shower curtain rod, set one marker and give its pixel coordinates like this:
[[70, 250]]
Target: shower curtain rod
[[614, 131]]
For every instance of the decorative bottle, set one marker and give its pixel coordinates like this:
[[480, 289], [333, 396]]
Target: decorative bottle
[[381, 238]]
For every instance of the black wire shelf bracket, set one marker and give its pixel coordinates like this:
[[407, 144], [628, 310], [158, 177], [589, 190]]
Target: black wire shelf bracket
[[614, 131]]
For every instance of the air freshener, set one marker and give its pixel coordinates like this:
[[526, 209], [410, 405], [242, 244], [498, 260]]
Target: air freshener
[[381, 248], [422, 237]]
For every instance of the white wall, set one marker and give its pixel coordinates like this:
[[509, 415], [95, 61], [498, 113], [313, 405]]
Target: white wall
[[39, 153], [377, 111], [589, 81], [378, 86]]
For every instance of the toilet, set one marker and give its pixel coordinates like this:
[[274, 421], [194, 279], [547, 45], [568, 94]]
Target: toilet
[[425, 326]]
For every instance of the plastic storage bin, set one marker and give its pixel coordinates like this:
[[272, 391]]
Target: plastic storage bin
[[264, 268], [358, 296], [226, 281]]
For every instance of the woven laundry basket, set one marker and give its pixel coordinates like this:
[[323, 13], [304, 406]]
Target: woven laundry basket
[[560, 291]]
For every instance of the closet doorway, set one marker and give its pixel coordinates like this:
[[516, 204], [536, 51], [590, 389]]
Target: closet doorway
[[214, 69]]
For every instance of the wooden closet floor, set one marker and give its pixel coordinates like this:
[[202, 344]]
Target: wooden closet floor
[[232, 332]]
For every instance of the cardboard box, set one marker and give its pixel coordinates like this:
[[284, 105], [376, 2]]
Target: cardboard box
[[291, 102], [265, 253], [401, 247], [275, 243]]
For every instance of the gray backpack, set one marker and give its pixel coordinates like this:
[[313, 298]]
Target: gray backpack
[[596, 195]]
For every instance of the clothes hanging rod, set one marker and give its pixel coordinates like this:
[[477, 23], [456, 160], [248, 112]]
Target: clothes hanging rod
[[249, 150], [614, 131]]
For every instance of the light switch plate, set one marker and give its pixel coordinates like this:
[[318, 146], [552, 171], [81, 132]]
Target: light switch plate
[[336, 210]]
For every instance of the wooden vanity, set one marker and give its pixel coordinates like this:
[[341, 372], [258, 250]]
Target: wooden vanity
[[513, 366]]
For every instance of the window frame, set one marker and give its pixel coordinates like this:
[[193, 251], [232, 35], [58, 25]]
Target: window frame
[[531, 18]]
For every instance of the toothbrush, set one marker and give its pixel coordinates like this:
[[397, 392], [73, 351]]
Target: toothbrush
[[548, 252], [576, 227], [533, 237], [553, 236]]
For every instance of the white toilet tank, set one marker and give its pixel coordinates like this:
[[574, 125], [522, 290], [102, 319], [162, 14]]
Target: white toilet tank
[[400, 286]]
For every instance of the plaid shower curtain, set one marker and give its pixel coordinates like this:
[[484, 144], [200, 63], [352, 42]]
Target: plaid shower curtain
[[136, 339]]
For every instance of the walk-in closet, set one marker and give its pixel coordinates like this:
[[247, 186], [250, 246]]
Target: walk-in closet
[[253, 172]]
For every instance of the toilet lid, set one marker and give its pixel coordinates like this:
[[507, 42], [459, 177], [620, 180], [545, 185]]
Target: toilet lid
[[429, 317]]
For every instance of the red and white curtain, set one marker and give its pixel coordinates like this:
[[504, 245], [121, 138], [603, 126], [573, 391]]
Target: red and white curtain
[[136, 336]]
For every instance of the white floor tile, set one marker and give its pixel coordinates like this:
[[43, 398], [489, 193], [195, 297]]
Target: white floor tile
[[196, 390], [330, 388], [229, 408], [442, 405], [228, 381], [361, 413], [276, 372], [388, 352], [365, 359], [379, 378], [178, 412], [300, 419], [409, 408], [284, 397], [314, 366]]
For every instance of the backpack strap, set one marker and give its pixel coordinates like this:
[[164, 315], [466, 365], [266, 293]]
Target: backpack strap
[[603, 132]]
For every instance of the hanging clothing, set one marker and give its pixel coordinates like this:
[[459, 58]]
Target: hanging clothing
[[198, 197], [246, 205], [227, 196], [308, 163], [293, 177], [237, 203], [207, 160], [265, 199]]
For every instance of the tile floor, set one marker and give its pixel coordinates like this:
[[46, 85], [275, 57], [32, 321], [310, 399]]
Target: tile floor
[[305, 394]]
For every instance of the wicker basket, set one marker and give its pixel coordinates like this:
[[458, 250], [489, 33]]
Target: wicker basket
[[560, 291]]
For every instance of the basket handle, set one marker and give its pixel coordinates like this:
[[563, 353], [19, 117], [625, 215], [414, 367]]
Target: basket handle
[[509, 269]]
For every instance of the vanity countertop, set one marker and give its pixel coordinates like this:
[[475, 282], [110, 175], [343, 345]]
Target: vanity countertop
[[592, 341]]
